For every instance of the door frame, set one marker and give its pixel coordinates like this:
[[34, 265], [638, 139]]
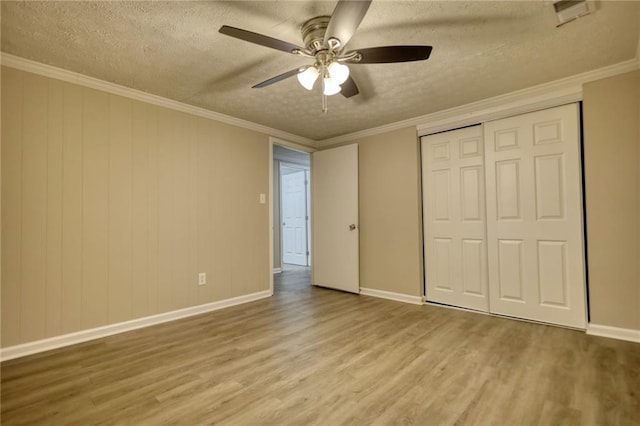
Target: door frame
[[511, 106], [307, 197], [296, 147]]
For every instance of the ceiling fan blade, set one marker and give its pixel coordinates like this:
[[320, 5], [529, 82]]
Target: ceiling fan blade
[[345, 20], [389, 54], [349, 88], [278, 78], [260, 39]]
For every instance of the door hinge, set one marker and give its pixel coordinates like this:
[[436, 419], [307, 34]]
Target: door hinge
[[307, 253]]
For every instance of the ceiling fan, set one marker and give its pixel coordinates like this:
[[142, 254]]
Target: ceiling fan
[[325, 38]]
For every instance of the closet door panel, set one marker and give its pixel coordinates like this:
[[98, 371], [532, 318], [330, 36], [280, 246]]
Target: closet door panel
[[454, 218], [534, 211]]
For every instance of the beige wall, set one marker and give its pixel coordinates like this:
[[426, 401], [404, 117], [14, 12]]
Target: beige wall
[[390, 212], [612, 166], [111, 207]]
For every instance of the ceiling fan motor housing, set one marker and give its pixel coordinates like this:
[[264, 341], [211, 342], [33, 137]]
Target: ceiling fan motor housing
[[313, 32]]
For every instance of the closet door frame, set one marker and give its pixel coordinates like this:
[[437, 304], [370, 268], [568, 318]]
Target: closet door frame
[[574, 253]]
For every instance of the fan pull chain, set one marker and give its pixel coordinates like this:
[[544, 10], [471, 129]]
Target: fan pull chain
[[324, 97]]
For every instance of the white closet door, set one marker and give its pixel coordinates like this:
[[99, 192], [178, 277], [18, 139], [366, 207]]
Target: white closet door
[[534, 216], [454, 222]]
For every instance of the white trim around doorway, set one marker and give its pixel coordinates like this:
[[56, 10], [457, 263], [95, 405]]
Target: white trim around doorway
[[291, 145]]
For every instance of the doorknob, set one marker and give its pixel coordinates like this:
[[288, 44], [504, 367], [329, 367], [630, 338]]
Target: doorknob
[[352, 227]]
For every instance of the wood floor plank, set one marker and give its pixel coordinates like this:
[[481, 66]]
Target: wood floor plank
[[312, 356]]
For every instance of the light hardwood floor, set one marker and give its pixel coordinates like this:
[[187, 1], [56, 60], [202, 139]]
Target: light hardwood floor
[[317, 356]]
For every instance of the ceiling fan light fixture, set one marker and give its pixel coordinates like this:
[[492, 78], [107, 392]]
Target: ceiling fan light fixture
[[331, 87], [308, 77], [338, 72]]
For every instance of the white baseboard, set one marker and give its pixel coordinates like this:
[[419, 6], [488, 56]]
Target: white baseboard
[[43, 345], [628, 334], [398, 297], [277, 270]]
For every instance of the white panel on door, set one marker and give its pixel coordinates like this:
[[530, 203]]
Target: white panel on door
[[471, 147], [471, 184], [549, 186], [301, 243], [441, 151], [535, 235], [552, 273], [547, 132], [473, 267], [506, 139], [454, 218], [508, 189], [443, 272], [510, 270], [441, 191]]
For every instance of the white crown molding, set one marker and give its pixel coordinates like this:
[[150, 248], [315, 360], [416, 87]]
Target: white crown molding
[[554, 93], [27, 65], [628, 334], [30, 348], [545, 95], [398, 297]]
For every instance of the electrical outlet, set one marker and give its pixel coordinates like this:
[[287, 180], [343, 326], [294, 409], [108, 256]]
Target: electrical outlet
[[202, 278], [263, 198]]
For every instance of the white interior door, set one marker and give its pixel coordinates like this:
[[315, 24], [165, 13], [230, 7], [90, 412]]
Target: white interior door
[[335, 238], [454, 218], [294, 216], [534, 216]]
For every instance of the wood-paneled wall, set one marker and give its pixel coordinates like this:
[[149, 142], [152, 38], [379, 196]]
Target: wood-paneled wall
[[111, 207]]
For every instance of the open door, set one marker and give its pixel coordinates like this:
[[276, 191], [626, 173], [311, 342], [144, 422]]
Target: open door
[[335, 218]]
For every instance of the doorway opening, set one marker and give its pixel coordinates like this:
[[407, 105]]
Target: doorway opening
[[291, 218]]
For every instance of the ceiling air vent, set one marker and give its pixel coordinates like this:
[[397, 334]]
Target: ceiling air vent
[[568, 10]]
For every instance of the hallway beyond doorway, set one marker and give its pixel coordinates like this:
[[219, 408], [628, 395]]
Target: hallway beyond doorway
[[292, 278]]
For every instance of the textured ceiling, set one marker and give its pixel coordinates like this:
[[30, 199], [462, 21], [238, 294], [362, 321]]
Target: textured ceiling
[[173, 49]]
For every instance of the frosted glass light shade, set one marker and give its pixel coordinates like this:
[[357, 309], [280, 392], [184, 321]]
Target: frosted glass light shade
[[338, 72], [331, 87], [308, 77]]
